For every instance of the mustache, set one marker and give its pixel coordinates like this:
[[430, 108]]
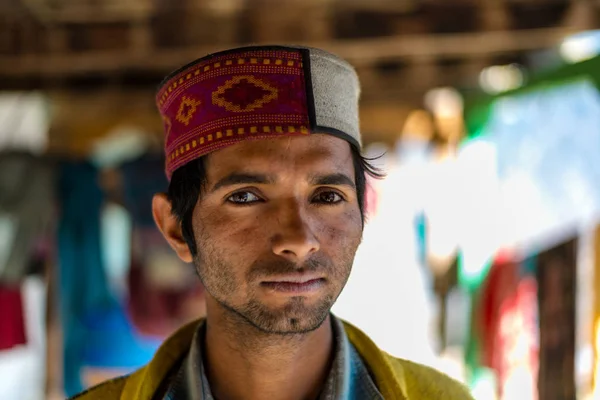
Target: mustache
[[262, 269]]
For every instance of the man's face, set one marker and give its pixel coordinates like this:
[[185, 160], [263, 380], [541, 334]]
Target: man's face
[[276, 228]]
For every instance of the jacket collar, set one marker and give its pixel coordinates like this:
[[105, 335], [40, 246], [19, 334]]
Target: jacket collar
[[145, 383]]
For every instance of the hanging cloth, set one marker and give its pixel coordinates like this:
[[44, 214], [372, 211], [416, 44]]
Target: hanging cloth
[[164, 293], [26, 209], [83, 285], [12, 324]]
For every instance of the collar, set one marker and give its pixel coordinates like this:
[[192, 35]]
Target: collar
[[348, 379]]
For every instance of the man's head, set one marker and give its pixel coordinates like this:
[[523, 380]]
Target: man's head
[[272, 225]]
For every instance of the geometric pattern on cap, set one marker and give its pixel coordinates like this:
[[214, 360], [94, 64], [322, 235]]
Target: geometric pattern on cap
[[187, 109], [244, 93], [255, 93]]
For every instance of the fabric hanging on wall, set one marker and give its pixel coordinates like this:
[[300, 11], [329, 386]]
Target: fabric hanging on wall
[[164, 293], [83, 286], [12, 325], [142, 178], [24, 121], [26, 211], [22, 367], [111, 345], [504, 328], [112, 342]]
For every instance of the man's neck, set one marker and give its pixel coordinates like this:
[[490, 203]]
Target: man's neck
[[245, 363]]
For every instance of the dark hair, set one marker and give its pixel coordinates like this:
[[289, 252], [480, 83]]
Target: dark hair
[[188, 182]]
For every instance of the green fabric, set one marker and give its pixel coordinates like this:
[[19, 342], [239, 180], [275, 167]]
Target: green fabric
[[478, 107], [395, 378]]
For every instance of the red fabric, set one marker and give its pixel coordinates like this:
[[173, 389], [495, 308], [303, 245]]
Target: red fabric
[[12, 324], [160, 304], [506, 319], [221, 100], [515, 339], [500, 284], [158, 312]]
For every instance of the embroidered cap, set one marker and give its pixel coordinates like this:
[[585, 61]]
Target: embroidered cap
[[256, 93]]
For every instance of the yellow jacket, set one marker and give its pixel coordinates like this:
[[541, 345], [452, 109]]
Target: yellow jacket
[[395, 378]]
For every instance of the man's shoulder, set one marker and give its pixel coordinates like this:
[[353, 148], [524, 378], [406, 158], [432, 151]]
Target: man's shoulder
[[397, 378], [423, 382]]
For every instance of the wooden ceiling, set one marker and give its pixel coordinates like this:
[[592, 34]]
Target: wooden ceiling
[[401, 48]]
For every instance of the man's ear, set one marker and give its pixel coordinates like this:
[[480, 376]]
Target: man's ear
[[170, 227]]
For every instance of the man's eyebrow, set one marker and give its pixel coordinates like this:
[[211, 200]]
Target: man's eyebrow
[[240, 179], [333, 179]]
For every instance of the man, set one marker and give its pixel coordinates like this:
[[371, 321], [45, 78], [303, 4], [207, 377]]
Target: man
[[266, 199]]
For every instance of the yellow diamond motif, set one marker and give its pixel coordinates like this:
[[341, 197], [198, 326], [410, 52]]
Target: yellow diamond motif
[[244, 93], [187, 109]]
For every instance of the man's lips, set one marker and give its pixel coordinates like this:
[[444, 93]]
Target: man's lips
[[294, 283], [294, 278]]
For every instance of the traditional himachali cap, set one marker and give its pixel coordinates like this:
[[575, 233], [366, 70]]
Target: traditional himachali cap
[[256, 93]]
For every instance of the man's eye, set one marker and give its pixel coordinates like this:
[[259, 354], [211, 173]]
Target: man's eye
[[328, 198], [243, 198]]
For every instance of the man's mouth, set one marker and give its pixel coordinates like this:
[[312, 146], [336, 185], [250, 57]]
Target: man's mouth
[[295, 284]]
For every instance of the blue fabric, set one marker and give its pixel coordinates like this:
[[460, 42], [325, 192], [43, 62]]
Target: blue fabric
[[112, 341], [82, 281], [97, 331], [420, 224]]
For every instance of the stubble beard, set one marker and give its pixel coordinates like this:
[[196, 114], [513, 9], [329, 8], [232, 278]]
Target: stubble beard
[[294, 317]]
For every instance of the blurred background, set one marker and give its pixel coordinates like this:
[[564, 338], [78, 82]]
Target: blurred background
[[481, 256]]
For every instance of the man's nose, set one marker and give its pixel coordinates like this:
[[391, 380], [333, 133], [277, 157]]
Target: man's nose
[[294, 239]]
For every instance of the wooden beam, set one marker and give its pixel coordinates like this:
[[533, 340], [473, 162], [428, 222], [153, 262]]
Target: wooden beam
[[395, 6], [87, 13], [359, 52]]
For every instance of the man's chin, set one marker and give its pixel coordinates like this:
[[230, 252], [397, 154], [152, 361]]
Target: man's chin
[[291, 325], [291, 319]]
